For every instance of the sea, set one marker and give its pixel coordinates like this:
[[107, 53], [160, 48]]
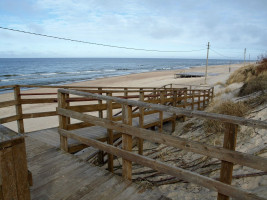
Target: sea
[[58, 71]]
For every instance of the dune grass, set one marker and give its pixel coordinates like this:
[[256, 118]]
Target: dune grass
[[228, 108]]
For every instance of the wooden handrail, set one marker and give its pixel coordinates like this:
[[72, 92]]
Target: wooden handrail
[[252, 161], [167, 169], [177, 111], [228, 157]]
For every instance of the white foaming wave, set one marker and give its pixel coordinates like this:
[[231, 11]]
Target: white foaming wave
[[110, 70], [47, 74]]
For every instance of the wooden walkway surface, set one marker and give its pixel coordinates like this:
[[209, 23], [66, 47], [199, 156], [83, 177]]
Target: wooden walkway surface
[[59, 175], [51, 136]]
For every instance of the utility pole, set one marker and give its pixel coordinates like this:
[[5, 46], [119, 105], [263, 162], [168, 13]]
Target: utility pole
[[245, 56], [206, 74]]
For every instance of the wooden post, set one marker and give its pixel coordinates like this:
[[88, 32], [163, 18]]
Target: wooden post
[[100, 155], [162, 101], [204, 99], [19, 109], [127, 142], [174, 105], [141, 122], [193, 100], [154, 93], [100, 112], [198, 103], [110, 132], [185, 103], [63, 121], [227, 167], [208, 100], [125, 92], [67, 96]]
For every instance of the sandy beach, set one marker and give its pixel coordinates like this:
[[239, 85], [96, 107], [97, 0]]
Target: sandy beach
[[148, 79]]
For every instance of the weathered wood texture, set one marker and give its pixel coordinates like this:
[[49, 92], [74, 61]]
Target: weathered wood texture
[[19, 109], [168, 169], [177, 111], [227, 167], [13, 166], [208, 150], [58, 175]]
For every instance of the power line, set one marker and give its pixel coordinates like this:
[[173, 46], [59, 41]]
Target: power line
[[223, 55], [98, 44]]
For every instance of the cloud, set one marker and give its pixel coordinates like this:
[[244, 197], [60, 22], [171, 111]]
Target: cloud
[[152, 24]]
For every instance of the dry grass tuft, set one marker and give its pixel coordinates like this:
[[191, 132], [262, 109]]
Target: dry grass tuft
[[242, 74], [258, 84], [228, 108]]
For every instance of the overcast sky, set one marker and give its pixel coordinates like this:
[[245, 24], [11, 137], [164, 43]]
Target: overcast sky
[[172, 25]]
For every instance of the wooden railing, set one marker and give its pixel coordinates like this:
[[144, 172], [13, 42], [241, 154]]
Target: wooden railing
[[226, 154], [185, 98]]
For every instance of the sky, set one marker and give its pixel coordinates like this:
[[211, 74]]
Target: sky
[[165, 25]]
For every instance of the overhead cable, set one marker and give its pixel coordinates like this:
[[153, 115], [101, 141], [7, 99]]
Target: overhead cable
[[222, 54], [98, 44]]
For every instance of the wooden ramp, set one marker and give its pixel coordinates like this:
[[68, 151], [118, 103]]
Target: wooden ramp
[[59, 175]]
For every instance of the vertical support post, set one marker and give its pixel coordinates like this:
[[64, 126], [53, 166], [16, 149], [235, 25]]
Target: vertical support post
[[208, 100], [162, 101], [100, 155], [127, 142], [204, 99], [206, 72], [174, 105], [18, 107], [125, 93], [63, 121], [154, 94], [67, 97], [110, 133], [227, 167], [193, 100], [185, 102], [100, 112], [212, 93], [198, 103], [141, 121]]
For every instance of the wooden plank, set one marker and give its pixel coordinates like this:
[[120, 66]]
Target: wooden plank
[[79, 125], [127, 143], [227, 167], [21, 171], [91, 108], [40, 114], [177, 111], [169, 169], [8, 103], [36, 101], [252, 161], [9, 186]]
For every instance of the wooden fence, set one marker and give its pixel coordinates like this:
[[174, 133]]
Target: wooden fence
[[226, 154], [185, 98]]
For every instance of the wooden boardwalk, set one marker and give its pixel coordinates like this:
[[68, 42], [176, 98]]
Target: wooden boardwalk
[[50, 136], [59, 175]]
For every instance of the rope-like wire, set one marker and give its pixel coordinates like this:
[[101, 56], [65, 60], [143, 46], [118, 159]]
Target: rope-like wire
[[98, 44]]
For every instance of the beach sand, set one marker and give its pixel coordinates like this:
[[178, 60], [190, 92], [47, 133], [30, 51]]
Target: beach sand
[[148, 79]]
